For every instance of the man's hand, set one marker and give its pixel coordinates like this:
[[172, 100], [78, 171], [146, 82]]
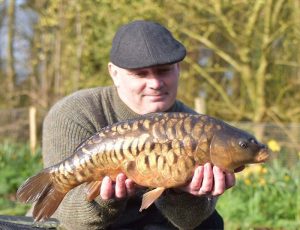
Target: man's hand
[[209, 180], [122, 188]]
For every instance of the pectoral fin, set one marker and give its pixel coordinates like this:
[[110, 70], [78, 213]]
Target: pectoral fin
[[93, 190], [150, 197]]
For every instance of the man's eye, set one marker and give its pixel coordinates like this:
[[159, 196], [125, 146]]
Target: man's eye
[[140, 74], [163, 70]]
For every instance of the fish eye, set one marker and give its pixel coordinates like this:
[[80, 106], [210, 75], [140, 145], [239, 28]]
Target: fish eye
[[243, 144]]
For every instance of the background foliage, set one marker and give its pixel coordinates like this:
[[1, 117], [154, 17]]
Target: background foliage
[[243, 55], [16, 165]]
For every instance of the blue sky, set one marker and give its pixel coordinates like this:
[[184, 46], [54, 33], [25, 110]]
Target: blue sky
[[25, 19]]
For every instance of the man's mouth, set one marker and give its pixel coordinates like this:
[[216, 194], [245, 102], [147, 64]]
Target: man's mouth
[[156, 96]]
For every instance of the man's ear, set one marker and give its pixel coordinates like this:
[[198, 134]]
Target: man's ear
[[113, 72]]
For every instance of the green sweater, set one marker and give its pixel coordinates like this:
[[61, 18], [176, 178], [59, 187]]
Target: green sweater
[[77, 117]]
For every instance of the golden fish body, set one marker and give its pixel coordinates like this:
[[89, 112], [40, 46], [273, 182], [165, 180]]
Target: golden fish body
[[154, 151], [160, 150]]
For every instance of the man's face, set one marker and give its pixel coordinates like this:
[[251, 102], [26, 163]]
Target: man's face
[[147, 90]]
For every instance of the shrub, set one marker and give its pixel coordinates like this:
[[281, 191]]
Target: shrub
[[16, 165]]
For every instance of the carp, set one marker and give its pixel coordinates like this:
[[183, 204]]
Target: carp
[[158, 150]]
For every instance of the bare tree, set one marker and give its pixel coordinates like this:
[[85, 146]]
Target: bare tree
[[241, 54], [246, 39], [10, 70], [2, 17]]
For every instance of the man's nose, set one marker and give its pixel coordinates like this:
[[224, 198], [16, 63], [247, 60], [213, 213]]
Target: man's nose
[[155, 83]]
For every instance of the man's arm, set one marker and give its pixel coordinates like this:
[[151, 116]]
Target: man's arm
[[62, 132]]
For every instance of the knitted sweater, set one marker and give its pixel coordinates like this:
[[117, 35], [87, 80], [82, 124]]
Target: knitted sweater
[[75, 118]]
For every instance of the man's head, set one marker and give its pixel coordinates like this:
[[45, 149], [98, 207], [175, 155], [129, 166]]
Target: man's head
[[144, 66]]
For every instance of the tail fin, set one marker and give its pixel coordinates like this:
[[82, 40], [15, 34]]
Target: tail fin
[[40, 188]]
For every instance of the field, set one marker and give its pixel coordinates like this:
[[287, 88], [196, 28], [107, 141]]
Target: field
[[265, 196]]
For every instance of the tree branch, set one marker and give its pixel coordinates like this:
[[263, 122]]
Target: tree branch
[[214, 84], [253, 18], [209, 44], [225, 22]]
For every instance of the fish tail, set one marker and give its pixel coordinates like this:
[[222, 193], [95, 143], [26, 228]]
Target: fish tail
[[41, 189]]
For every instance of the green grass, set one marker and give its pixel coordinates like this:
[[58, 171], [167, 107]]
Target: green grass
[[16, 165], [265, 197]]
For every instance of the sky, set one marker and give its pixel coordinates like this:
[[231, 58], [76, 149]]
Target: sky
[[24, 22]]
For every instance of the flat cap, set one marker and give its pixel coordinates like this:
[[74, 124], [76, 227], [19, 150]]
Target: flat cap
[[142, 44]]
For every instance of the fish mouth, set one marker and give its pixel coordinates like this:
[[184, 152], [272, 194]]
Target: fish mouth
[[262, 156], [239, 169]]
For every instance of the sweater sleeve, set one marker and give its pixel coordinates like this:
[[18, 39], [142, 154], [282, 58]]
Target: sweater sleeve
[[64, 128]]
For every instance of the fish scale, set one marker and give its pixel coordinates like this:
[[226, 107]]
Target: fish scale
[[159, 150]]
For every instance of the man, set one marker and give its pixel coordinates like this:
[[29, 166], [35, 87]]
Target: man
[[144, 66]]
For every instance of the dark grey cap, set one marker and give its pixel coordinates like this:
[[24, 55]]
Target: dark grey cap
[[141, 44]]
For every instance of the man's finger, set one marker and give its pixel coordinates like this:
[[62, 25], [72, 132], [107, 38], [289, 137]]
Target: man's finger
[[130, 187], [106, 190], [219, 181], [197, 179], [208, 180], [120, 189]]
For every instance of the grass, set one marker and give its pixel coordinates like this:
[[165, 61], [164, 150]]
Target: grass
[[265, 197], [16, 165]]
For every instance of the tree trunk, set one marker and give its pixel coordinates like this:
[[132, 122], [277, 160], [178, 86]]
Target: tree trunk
[[79, 40], [2, 16], [57, 53], [10, 70]]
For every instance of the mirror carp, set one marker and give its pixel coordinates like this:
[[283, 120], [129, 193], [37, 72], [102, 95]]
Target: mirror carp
[[158, 150]]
